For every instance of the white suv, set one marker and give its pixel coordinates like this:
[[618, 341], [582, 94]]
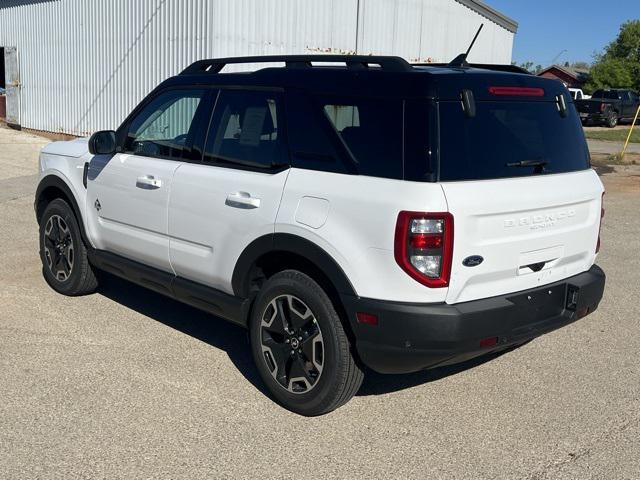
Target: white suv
[[373, 213]]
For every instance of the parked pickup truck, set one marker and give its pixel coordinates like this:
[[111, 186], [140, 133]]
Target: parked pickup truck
[[578, 94], [608, 107]]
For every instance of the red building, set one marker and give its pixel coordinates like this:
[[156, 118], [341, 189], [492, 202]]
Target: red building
[[571, 77]]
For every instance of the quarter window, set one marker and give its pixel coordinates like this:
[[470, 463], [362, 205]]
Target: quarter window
[[161, 129], [246, 130], [371, 129]]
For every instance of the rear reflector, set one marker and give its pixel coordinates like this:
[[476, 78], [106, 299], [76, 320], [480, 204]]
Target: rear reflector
[[367, 318], [517, 91], [426, 240], [488, 342]]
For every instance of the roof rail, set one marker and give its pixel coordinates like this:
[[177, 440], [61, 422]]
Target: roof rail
[[484, 66], [387, 63]]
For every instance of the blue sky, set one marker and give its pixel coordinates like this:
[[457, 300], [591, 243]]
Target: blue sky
[[547, 27]]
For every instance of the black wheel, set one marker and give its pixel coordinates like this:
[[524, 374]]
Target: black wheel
[[65, 265], [300, 347], [612, 121]]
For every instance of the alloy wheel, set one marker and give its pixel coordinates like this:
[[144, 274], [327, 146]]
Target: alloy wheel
[[292, 344], [58, 248]]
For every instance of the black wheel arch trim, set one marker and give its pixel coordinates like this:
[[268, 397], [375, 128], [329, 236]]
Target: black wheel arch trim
[[57, 182], [287, 243]]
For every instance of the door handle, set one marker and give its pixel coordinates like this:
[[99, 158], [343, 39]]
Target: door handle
[[148, 182], [242, 200]]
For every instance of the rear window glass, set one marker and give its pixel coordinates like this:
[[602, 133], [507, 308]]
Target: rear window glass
[[371, 131], [509, 139]]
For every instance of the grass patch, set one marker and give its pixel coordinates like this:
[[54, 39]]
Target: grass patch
[[617, 135]]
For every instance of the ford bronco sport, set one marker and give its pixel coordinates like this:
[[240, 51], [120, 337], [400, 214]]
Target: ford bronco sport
[[349, 211]]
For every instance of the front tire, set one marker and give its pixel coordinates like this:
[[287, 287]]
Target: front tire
[[300, 346], [65, 265]]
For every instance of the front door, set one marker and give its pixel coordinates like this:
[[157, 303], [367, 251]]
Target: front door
[[128, 193]]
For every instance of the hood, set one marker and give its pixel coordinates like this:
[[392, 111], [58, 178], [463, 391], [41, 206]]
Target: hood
[[73, 148]]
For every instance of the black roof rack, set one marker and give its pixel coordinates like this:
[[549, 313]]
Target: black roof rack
[[484, 66], [387, 63]]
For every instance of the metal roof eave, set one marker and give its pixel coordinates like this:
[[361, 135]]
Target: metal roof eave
[[491, 13]]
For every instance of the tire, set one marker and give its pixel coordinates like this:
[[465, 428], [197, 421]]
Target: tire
[[612, 121], [321, 374], [65, 265]]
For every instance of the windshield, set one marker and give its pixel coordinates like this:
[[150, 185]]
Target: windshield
[[509, 139], [606, 94]]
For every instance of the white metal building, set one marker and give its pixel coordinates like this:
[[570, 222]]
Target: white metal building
[[82, 65]]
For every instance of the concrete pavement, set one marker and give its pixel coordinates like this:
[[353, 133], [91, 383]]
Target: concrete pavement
[[128, 384]]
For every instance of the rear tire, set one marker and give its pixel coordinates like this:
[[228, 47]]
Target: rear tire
[[612, 121], [65, 265], [300, 346]]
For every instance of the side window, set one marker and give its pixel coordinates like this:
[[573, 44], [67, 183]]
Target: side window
[[371, 129], [312, 140], [246, 130], [161, 128]]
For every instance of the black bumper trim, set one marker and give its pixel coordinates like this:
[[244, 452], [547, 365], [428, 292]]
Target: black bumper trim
[[411, 337]]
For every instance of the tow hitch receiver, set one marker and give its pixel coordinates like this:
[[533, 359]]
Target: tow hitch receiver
[[572, 297]]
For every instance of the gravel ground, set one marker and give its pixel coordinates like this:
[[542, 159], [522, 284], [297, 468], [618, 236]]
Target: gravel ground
[[125, 383]]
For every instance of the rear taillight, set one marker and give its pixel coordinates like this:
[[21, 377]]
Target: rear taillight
[[424, 246], [600, 227], [603, 107]]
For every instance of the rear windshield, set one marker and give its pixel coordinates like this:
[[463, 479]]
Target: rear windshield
[[606, 94], [509, 139]]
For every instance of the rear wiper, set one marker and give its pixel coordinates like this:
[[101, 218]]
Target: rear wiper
[[529, 163]]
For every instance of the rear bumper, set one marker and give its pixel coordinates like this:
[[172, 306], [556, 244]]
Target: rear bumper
[[412, 337]]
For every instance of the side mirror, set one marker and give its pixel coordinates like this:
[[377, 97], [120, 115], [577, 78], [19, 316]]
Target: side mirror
[[103, 143]]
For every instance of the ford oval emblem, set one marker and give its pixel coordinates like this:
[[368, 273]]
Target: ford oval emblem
[[473, 261]]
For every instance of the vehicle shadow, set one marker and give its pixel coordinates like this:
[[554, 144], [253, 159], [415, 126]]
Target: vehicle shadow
[[235, 342], [378, 384], [200, 325]]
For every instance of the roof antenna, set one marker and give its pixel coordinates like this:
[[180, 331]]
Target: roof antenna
[[461, 60]]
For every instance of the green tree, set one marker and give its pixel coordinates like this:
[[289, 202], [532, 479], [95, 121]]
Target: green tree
[[611, 73], [619, 65], [583, 65], [529, 67]]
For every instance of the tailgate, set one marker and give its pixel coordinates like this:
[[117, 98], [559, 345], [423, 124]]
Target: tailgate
[[588, 106], [529, 231]]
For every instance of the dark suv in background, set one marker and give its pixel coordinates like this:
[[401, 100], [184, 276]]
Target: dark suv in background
[[608, 107]]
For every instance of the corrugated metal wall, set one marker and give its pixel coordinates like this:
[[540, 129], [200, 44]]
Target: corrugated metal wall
[[85, 64]]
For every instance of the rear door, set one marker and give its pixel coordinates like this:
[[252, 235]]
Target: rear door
[[218, 207], [517, 181], [635, 104], [629, 104], [128, 193], [625, 104]]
